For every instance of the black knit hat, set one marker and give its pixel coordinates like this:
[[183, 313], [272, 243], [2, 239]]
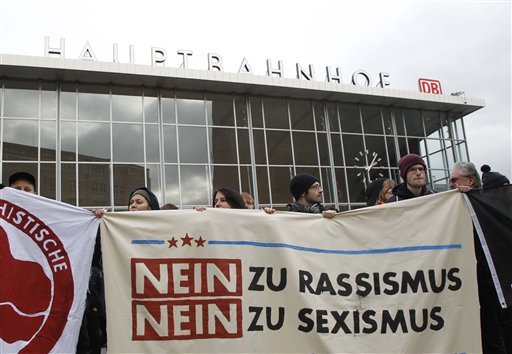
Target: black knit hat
[[22, 176], [492, 179], [301, 183]]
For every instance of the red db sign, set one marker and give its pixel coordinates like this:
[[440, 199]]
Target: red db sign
[[430, 86]]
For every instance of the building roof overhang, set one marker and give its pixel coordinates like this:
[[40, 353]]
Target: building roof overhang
[[96, 72]]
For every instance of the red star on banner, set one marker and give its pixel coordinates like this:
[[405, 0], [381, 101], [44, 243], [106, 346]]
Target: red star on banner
[[200, 242], [173, 242], [186, 240]]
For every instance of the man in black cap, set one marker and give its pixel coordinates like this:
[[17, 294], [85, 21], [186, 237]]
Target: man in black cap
[[23, 181], [413, 172], [307, 191]]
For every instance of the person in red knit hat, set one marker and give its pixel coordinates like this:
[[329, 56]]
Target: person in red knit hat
[[413, 172]]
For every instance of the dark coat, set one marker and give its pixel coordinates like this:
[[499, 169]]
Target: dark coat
[[401, 192]]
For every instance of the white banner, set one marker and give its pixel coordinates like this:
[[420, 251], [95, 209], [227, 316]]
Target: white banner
[[45, 259], [397, 278]]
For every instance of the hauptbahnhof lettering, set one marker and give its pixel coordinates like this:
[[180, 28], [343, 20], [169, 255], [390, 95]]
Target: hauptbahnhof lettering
[[92, 131]]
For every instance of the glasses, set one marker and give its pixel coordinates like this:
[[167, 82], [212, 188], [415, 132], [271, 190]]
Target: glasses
[[416, 169], [455, 179], [316, 186]]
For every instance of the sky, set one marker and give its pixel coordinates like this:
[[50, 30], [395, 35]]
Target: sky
[[466, 45]]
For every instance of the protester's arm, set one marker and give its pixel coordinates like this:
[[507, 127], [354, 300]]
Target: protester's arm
[[329, 214]]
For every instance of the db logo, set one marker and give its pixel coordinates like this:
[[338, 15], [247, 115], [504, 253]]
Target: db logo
[[430, 86], [36, 282]]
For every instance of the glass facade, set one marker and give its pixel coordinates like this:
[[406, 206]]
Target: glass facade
[[90, 145]]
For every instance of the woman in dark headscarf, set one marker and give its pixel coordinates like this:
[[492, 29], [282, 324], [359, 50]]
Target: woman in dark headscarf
[[379, 191], [143, 199]]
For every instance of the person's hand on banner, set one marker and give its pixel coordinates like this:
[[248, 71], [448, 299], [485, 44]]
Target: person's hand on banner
[[463, 189], [269, 210], [329, 214], [99, 212]]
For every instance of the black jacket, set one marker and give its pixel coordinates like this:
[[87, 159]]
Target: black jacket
[[401, 192]]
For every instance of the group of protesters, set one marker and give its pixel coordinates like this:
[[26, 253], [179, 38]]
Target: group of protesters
[[307, 192]]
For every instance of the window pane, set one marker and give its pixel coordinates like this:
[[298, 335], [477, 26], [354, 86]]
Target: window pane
[[392, 157], [93, 106], [225, 176], [354, 150], [194, 185], [341, 185], [280, 182], [150, 106], [301, 114], [323, 149], [193, 147], [244, 151], [153, 180], [152, 143], [388, 124], [263, 189], [279, 147], [319, 116], [399, 121], [126, 105], [172, 186], [170, 150], [256, 114], [356, 184], [223, 145], [413, 123], [21, 99], [47, 181], [328, 195], [68, 141], [416, 146], [432, 124], [20, 140], [337, 153], [94, 185], [304, 145], [437, 160], [219, 110], [246, 180], [259, 147], [93, 141], [350, 118], [241, 111], [68, 183], [372, 119], [376, 151], [168, 111], [68, 102], [48, 100], [333, 117], [127, 143], [276, 113], [48, 136], [126, 179], [190, 106], [402, 147]]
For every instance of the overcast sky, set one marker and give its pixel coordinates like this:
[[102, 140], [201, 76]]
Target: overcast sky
[[466, 45]]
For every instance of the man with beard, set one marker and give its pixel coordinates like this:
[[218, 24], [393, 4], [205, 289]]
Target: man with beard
[[413, 172], [307, 191]]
